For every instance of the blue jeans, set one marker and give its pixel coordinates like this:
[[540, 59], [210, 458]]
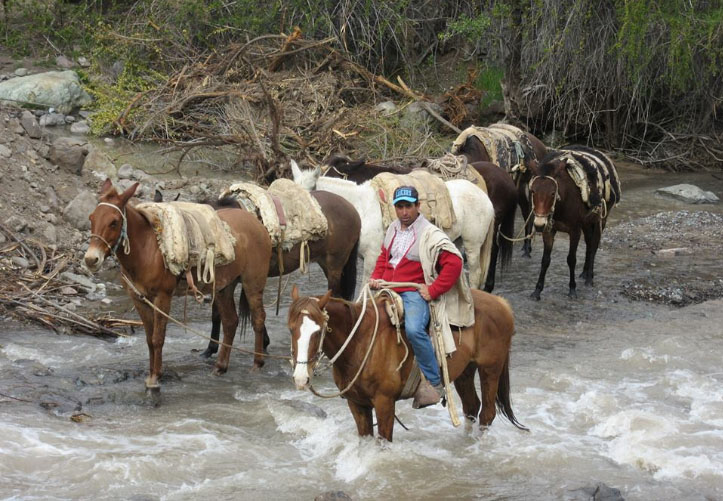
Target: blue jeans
[[416, 318]]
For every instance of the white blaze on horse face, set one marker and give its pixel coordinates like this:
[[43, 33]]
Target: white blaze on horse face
[[302, 371]]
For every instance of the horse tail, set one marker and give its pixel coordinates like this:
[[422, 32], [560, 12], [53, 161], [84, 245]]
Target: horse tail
[[244, 311], [486, 252], [504, 405], [507, 229], [348, 274]]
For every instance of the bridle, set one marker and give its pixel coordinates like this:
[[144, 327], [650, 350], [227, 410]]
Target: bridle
[[554, 200], [123, 237]]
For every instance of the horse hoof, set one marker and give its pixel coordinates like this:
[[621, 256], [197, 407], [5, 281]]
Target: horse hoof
[[208, 353], [152, 384], [218, 371], [535, 295], [572, 294]]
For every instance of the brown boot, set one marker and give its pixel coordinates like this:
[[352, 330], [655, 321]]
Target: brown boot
[[427, 395]]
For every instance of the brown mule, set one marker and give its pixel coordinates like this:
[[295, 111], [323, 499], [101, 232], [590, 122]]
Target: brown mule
[[484, 348], [114, 220]]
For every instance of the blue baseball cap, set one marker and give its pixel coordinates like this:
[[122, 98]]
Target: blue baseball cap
[[405, 194]]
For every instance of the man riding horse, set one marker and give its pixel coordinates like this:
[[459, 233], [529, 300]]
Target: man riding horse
[[415, 250]]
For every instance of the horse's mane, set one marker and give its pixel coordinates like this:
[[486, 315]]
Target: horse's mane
[[346, 165]]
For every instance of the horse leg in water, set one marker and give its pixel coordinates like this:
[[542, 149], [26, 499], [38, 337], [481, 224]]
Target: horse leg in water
[[464, 384], [572, 259], [363, 418], [592, 241], [212, 347], [229, 319], [548, 238], [384, 409], [525, 207], [253, 297], [489, 380], [155, 337], [243, 307]]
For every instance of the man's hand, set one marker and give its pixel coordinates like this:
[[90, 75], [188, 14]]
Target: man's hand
[[424, 292], [375, 283]]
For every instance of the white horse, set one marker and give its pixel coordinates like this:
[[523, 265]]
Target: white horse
[[473, 210]]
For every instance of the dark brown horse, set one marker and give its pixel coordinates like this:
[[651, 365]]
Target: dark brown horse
[[336, 254], [483, 348], [115, 222], [531, 149], [559, 205], [500, 188]]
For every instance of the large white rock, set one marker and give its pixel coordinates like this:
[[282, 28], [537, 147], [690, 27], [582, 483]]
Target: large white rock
[[689, 193], [57, 89]]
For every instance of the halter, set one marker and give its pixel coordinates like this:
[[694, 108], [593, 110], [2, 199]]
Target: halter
[[554, 200], [123, 237]]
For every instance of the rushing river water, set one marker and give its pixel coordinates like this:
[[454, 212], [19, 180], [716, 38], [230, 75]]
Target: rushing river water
[[615, 392]]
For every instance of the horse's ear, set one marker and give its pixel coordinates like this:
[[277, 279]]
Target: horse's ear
[[561, 166], [317, 172], [107, 185], [129, 193], [295, 171], [294, 293], [534, 166], [324, 299], [158, 196]]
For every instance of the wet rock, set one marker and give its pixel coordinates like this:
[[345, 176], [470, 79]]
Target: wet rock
[[333, 496], [52, 119], [678, 251], [78, 210], [79, 128], [305, 407], [689, 193], [21, 72], [599, 492], [30, 125], [68, 153], [125, 171], [100, 165]]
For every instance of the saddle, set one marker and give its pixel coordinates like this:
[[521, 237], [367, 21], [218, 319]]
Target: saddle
[[289, 213], [190, 235]]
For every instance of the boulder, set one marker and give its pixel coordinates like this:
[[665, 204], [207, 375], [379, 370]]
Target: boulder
[[52, 119], [57, 89], [100, 165], [80, 128], [689, 193], [68, 153], [78, 210], [30, 125]]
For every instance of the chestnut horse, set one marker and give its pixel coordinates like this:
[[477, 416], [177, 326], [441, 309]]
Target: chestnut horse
[[115, 223], [336, 254], [483, 347], [532, 149], [558, 205], [500, 188]]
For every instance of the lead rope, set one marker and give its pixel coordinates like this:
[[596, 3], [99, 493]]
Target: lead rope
[[366, 293]]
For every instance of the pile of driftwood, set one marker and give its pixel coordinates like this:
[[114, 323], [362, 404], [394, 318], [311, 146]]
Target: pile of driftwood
[[32, 288], [271, 98]]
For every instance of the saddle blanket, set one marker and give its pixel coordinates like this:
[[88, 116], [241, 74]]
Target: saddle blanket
[[190, 235], [506, 145], [435, 202], [289, 212], [593, 174]]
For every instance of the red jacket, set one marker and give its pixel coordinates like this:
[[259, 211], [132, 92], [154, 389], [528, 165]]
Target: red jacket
[[449, 267]]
